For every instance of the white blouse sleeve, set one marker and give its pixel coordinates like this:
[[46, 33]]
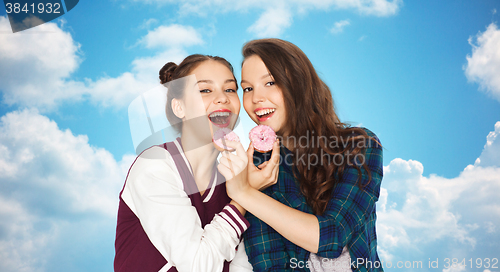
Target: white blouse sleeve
[[154, 192]]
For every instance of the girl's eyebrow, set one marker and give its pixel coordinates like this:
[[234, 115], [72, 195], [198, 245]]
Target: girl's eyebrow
[[262, 77], [204, 81], [211, 82], [266, 75]]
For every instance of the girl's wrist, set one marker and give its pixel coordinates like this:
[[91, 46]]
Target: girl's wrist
[[244, 196], [239, 207]]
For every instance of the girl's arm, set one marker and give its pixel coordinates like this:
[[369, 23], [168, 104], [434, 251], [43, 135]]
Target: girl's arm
[[154, 192], [240, 262], [350, 214], [299, 227], [349, 208]]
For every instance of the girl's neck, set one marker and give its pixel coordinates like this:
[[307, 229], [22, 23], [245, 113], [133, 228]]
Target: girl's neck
[[201, 157]]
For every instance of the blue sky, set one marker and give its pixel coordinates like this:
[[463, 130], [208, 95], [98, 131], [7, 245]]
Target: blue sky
[[423, 75]]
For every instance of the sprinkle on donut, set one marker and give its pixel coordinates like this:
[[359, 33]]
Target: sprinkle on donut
[[263, 138]]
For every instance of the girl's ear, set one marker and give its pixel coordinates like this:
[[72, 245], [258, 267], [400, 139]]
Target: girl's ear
[[178, 108]]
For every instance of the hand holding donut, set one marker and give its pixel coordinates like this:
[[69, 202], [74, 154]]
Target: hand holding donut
[[234, 168], [266, 174]]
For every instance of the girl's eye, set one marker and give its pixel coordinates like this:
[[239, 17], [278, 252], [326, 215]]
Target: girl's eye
[[247, 89], [205, 91], [270, 83], [230, 90]]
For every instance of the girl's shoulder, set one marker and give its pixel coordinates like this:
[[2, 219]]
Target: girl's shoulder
[[372, 141], [154, 154], [153, 161]]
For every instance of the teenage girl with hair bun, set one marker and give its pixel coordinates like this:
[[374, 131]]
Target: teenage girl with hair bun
[[174, 212]]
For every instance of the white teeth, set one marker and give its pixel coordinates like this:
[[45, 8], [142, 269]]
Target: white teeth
[[219, 113], [263, 112]]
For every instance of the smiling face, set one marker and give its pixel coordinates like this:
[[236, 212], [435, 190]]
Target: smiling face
[[211, 94], [262, 98]]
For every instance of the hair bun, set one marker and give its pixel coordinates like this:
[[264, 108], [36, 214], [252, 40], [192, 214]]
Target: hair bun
[[167, 71]]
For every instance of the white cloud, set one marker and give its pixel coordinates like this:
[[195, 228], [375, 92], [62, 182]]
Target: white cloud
[[368, 7], [277, 15], [491, 152], [172, 36], [36, 64], [272, 23], [483, 65], [457, 268], [378, 7], [417, 213], [120, 91], [147, 23], [54, 184], [339, 26], [59, 162], [19, 244]]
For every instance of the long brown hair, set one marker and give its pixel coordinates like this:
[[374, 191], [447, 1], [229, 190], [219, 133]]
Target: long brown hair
[[171, 71], [309, 107]]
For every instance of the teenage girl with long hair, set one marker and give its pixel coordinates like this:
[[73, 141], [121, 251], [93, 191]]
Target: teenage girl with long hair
[[321, 211]]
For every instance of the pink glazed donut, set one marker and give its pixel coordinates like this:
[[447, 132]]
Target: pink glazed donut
[[262, 137], [227, 134]]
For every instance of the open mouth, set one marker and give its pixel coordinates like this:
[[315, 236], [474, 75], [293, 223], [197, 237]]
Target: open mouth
[[264, 114], [220, 118]]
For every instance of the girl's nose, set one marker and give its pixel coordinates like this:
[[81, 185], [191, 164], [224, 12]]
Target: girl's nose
[[221, 99], [257, 95]]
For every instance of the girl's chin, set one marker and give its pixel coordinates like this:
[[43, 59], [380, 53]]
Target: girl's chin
[[269, 124]]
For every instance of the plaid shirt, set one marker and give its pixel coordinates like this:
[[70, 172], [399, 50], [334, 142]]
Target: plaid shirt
[[349, 219]]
